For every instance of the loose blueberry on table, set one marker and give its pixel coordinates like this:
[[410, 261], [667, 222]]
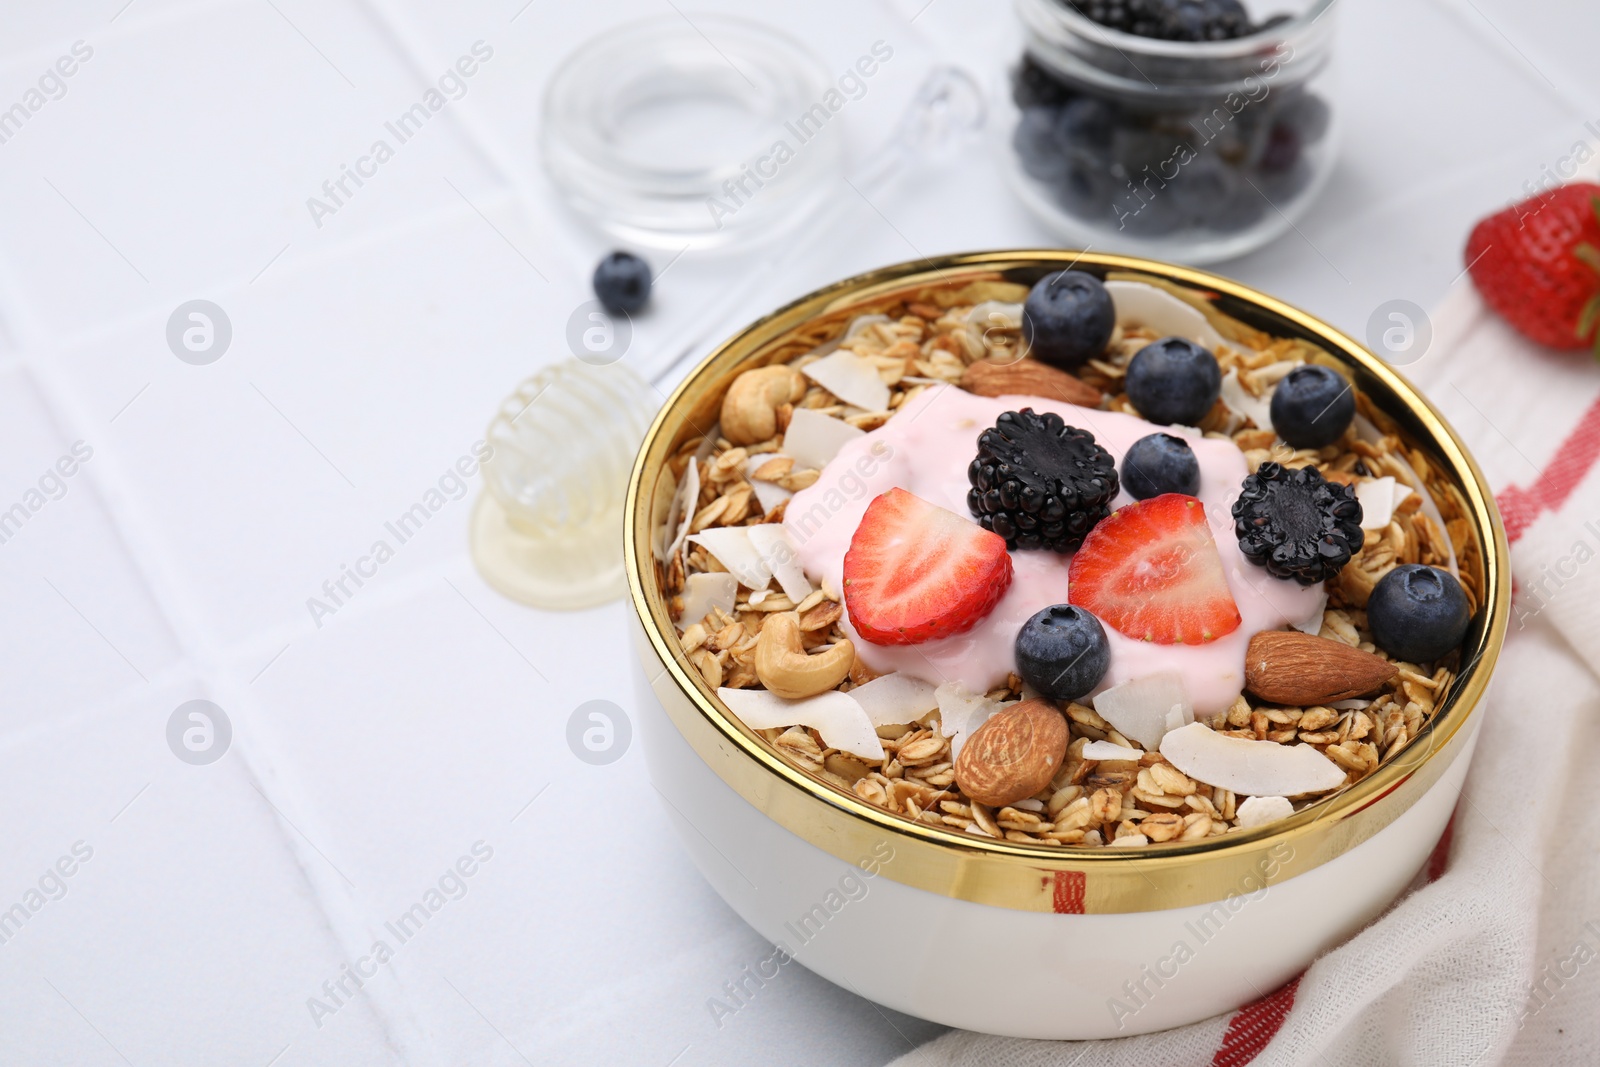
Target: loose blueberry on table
[[622, 283]]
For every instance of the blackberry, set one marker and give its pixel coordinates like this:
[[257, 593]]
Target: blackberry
[[1170, 20], [1040, 483], [1034, 86], [1296, 524]]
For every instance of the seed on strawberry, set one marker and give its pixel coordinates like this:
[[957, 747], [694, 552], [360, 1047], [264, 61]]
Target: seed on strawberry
[[916, 572], [1151, 572], [1537, 263]]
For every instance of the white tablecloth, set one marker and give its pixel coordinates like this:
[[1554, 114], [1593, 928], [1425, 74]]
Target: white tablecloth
[[215, 913]]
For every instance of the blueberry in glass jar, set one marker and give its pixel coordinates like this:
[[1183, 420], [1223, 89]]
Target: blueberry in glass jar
[[1196, 154]]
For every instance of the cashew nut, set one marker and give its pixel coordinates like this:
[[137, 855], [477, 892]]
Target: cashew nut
[[750, 410], [784, 667]]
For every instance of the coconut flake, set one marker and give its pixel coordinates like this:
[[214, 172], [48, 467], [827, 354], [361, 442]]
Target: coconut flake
[[768, 494], [1104, 750], [1159, 311], [683, 507], [895, 699], [1130, 841], [862, 322], [1142, 708], [702, 592], [1258, 409], [840, 720], [1367, 432], [1251, 768], [662, 502], [781, 557], [1312, 623], [850, 378], [733, 549], [1257, 811], [961, 712], [1027, 804], [814, 438], [1377, 500]]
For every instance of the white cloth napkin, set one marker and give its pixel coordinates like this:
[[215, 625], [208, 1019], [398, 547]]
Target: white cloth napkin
[[1492, 957]]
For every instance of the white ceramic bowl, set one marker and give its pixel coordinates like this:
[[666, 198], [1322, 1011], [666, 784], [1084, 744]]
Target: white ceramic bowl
[[1025, 940]]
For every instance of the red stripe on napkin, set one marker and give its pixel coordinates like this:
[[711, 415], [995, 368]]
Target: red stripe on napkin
[[1519, 507], [1254, 1026]]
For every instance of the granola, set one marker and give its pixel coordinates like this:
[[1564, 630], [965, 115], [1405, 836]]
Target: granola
[[917, 343]]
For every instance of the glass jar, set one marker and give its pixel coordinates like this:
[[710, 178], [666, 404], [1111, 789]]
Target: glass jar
[[669, 133], [1188, 151]]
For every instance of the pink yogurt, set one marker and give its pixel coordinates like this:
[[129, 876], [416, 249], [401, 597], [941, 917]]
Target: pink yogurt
[[925, 450]]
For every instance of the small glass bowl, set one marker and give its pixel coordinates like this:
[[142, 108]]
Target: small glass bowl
[[666, 132], [1184, 151]]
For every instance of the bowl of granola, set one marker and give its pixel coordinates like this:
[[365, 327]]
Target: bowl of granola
[[1056, 644]]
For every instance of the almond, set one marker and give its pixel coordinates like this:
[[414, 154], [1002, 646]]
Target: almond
[[1014, 754], [1027, 377], [1299, 670]]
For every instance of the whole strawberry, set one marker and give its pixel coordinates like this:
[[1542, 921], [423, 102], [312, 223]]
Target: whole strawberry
[[1537, 264]]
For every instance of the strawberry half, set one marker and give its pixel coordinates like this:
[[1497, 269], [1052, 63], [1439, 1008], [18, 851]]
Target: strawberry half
[[916, 572], [1151, 571], [1537, 264]]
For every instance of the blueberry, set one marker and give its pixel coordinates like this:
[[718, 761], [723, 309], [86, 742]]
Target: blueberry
[[1417, 613], [1307, 114], [1312, 407], [1203, 188], [1034, 86], [1085, 190], [1062, 652], [1154, 218], [622, 282], [1067, 318], [1160, 463], [1087, 125], [1173, 381], [1037, 141]]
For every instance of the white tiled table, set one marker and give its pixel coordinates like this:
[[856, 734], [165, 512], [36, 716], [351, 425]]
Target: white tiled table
[[371, 753]]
